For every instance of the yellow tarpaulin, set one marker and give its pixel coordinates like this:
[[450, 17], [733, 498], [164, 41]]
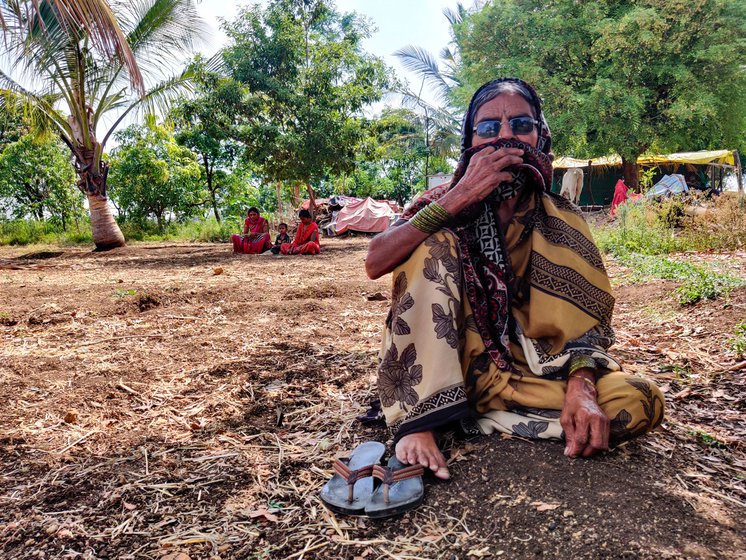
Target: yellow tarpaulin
[[713, 156], [567, 162], [723, 157]]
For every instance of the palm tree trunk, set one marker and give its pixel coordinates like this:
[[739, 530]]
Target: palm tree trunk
[[209, 174], [92, 181], [106, 232]]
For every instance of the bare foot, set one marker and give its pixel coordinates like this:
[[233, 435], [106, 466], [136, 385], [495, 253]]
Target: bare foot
[[421, 447]]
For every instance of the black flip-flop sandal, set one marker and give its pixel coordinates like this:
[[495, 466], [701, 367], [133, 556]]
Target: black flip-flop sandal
[[401, 489], [349, 490]]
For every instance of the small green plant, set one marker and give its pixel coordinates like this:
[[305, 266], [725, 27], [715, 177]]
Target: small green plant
[[121, 292], [645, 178], [671, 212], [682, 373], [698, 282], [706, 284], [707, 439], [738, 342]]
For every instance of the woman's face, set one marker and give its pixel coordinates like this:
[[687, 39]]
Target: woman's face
[[305, 220], [253, 216], [502, 108]]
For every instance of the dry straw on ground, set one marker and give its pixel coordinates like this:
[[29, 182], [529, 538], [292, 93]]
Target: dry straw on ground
[[156, 409]]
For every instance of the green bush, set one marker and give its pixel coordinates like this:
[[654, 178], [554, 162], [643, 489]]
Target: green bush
[[207, 231], [638, 229], [690, 223], [26, 232], [204, 231]]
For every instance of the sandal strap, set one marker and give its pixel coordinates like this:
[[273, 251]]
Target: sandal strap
[[390, 476], [351, 476]]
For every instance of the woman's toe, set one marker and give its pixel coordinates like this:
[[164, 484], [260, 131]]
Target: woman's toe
[[443, 473]]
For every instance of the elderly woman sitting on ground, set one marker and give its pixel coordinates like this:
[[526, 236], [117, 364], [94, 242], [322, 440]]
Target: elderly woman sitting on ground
[[501, 309]]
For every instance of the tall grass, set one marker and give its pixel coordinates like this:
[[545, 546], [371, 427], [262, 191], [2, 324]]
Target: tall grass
[[27, 232], [646, 231], [674, 225], [206, 231]]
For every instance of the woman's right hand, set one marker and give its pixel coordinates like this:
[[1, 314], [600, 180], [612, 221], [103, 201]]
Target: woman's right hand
[[483, 175]]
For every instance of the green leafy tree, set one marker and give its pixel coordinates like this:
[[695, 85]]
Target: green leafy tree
[[153, 177], [242, 189], [12, 126], [621, 77], [395, 159], [37, 181], [308, 79], [73, 86], [206, 122]]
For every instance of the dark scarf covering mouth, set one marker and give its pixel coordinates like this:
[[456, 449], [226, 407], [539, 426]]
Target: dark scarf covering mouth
[[534, 174]]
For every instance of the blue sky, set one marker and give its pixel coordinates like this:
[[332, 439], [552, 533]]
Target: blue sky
[[399, 23]]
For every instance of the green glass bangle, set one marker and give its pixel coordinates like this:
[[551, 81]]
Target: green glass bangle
[[431, 218], [580, 361]]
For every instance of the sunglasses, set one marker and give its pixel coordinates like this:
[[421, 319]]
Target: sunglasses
[[519, 125]]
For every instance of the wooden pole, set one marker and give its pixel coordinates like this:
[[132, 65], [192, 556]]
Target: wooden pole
[[590, 190], [739, 170]]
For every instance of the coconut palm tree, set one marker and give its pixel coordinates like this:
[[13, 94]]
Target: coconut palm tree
[[441, 122], [72, 89], [95, 16]]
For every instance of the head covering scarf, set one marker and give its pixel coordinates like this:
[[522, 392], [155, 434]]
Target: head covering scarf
[[540, 294]]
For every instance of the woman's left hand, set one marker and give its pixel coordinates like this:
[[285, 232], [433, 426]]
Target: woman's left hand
[[586, 426]]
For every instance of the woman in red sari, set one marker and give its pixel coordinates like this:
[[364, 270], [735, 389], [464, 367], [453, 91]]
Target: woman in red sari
[[255, 238], [306, 240]]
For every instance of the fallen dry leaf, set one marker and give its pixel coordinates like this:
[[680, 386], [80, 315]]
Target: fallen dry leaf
[[176, 556], [544, 506], [217, 270], [262, 512], [683, 394]]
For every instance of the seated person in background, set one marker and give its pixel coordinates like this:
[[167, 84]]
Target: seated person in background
[[255, 238], [306, 240], [283, 237]]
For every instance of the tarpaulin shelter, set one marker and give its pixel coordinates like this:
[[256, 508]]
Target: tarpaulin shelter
[[668, 185], [306, 204], [368, 216], [601, 174]]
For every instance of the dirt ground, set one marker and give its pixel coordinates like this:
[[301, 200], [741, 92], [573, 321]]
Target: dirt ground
[[175, 401]]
